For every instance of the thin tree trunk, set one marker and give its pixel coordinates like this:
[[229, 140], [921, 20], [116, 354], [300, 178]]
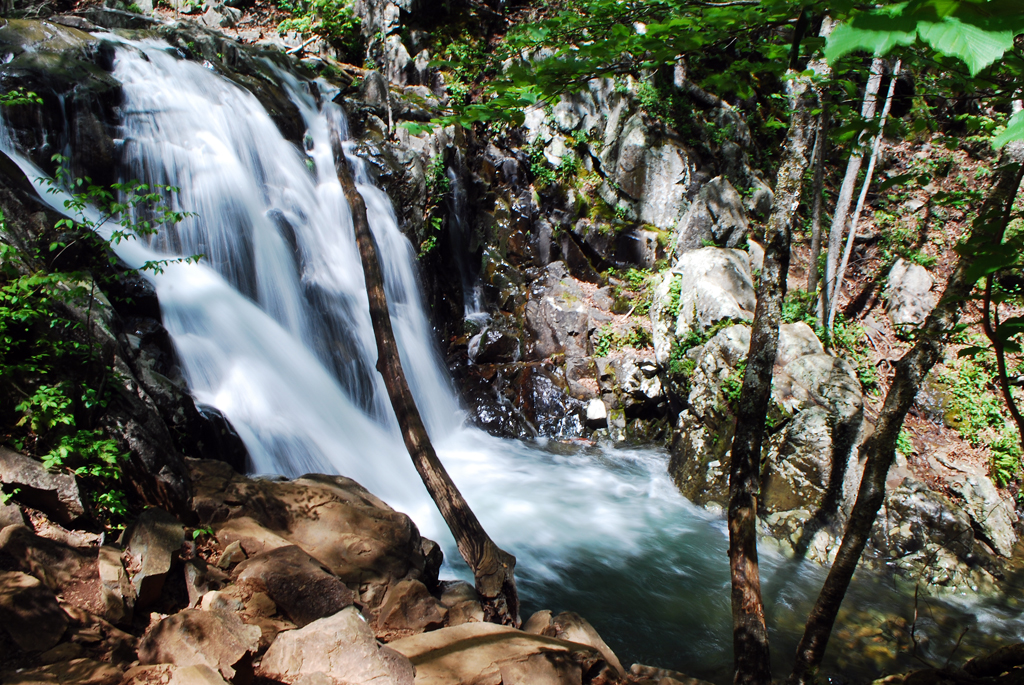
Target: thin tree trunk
[[835, 234], [834, 305], [750, 636], [880, 449], [820, 143], [492, 567]]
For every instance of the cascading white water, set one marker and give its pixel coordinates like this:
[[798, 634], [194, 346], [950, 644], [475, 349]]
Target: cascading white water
[[272, 328]]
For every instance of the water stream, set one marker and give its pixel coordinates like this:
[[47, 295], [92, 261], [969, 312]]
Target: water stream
[[272, 328]]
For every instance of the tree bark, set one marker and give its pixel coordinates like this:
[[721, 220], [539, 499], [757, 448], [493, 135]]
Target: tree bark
[[820, 142], [835, 234], [492, 567], [880, 449], [834, 305], [750, 636]]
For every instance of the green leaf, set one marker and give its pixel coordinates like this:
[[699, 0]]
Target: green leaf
[[1014, 131], [975, 46]]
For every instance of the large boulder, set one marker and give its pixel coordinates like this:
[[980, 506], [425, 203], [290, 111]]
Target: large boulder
[[216, 639], [337, 650], [993, 517], [169, 674], [357, 537], [703, 287], [557, 317], [297, 583], [572, 627]]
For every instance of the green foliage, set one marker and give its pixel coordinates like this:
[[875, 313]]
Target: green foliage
[[977, 33], [607, 340], [437, 179], [19, 96], [732, 385], [848, 339], [543, 173], [637, 288], [675, 291], [434, 228], [903, 443], [200, 532], [51, 360], [332, 20], [800, 305]]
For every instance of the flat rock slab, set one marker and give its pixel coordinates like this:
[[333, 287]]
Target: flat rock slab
[[55, 493], [30, 613], [489, 654], [340, 649], [168, 674], [216, 639], [299, 584], [152, 542], [74, 672]]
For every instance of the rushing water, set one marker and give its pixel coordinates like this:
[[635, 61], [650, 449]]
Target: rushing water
[[272, 328]]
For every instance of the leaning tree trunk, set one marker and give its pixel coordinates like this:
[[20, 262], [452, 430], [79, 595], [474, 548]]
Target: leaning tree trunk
[[492, 567], [835, 234], [750, 635], [880, 448]]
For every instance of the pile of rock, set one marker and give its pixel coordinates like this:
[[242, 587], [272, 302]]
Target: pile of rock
[[312, 580]]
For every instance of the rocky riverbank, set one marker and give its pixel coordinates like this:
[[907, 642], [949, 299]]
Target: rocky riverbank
[[312, 580]]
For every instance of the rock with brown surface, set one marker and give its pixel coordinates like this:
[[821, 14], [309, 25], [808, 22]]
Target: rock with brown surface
[[75, 672], [216, 639], [297, 583], [30, 613], [55, 493], [333, 519], [10, 515], [490, 654], [572, 627], [72, 573], [116, 590], [152, 540], [409, 608], [338, 650], [168, 674]]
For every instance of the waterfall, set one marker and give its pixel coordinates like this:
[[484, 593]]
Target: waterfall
[[272, 328]]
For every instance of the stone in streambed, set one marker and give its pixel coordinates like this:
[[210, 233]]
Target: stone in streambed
[[216, 639], [297, 583], [30, 613], [335, 650]]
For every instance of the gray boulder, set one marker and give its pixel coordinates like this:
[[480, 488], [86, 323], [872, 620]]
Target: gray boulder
[[335, 650], [713, 284], [993, 516], [557, 317], [717, 216], [908, 292]]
